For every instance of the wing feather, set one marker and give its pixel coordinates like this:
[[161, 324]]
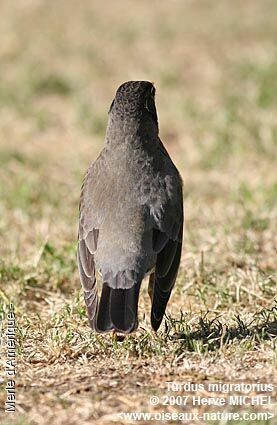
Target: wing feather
[[87, 274], [166, 270]]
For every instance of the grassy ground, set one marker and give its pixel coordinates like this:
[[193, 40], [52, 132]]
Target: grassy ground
[[214, 65]]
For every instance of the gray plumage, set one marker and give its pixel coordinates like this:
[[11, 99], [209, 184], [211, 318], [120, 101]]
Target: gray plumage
[[131, 216]]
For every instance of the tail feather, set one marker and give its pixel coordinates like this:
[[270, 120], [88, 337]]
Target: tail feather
[[118, 309], [124, 306], [103, 320]]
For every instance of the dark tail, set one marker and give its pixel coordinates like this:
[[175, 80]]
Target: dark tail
[[118, 309]]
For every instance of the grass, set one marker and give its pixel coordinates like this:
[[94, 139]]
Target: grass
[[214, 66]]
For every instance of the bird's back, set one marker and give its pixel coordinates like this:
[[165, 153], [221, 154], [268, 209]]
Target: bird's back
[[127, 189]]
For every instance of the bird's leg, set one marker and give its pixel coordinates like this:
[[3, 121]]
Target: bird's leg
[[116, 337], [151, 285]]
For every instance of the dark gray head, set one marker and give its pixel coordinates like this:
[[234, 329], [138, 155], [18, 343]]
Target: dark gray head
[[135, 99]]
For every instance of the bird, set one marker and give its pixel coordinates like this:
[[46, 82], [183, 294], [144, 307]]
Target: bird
[[130, 216]]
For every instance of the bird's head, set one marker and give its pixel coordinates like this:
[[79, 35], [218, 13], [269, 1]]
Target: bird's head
[[135, 100]]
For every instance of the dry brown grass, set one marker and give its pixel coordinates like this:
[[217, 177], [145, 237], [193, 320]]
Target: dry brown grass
[[214, 65]]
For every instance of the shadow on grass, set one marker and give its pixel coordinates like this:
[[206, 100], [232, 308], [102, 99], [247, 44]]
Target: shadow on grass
[[212, 334]]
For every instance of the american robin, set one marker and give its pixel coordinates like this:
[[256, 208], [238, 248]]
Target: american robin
[[131, 216]]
